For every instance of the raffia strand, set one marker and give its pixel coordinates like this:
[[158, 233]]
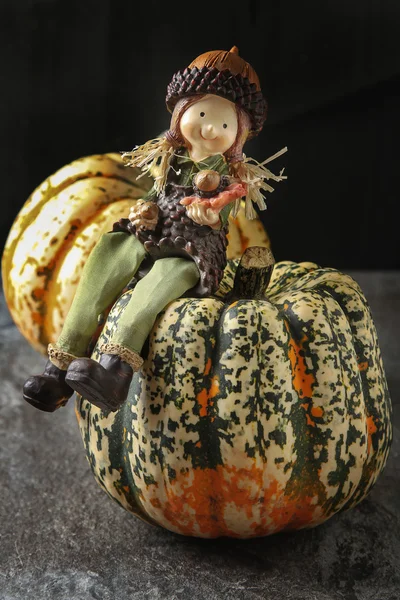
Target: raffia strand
[[153, 158], [255, 175]]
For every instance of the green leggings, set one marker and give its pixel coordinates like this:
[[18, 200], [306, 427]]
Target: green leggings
[[111, 265]]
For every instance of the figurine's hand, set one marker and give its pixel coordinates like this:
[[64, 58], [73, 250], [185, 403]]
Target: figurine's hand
[[188, 200], [202, 214], [229, 194]]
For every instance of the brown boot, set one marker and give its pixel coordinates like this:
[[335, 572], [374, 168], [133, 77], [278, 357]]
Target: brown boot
[[105, 383], [47, 391]]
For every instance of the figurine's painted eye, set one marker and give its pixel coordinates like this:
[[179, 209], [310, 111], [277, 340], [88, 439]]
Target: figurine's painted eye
[[224, 125], [202, 114]]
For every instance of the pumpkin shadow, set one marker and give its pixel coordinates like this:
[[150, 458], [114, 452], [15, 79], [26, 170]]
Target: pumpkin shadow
[[255, 553]]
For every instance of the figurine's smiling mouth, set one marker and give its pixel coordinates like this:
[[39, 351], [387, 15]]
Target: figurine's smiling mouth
[[208, 139]]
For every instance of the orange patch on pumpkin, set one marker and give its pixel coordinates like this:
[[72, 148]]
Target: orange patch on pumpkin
[[302, 381], [208, 367], [197, 503], [309, 420], [317, 411], [371, 428], [363, 366], [294, 513], [205, 396], [202, 399]]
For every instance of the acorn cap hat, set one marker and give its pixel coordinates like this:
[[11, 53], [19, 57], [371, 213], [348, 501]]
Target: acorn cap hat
[[224, 74]]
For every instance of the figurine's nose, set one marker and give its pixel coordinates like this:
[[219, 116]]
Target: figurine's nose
[[208, 132]]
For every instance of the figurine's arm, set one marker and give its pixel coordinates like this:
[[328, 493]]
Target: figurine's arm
[[228, 195], [218, 202], [206, 211]]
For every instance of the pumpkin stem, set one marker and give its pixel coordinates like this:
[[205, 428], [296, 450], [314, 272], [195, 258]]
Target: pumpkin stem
[[253, 274]]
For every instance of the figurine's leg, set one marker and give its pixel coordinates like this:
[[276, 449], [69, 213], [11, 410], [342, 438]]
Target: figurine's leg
[[111, 265], [168, 280], [106, 384]]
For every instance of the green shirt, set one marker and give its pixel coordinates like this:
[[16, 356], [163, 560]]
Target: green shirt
[[187, 169]]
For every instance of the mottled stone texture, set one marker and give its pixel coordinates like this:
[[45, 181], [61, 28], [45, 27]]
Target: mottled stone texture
[[61, 538]]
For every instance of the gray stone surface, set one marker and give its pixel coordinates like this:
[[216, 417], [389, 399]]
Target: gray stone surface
[[61, 538]]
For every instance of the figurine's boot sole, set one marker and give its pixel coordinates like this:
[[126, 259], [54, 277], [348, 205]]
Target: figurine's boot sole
[[46, 393], [44, 407], [105, 390]]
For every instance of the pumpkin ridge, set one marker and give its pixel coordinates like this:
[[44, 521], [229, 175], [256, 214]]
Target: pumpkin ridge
[[279, 283], [206, 453], [323, 277], [375, 435], [331, 504], [120, 449], [343, 470], [304, 474]]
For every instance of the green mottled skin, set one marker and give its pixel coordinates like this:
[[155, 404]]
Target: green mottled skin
[[218, 394]]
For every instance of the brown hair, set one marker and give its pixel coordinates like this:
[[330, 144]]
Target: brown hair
[[234, 153]]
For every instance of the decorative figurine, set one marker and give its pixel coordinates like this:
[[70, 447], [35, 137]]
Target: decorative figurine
[[175, 236], [261, 404]]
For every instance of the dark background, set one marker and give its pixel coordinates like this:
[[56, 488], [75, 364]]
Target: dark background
[[83, 77]]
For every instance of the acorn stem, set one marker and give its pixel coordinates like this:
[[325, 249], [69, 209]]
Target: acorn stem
[[253, 274]]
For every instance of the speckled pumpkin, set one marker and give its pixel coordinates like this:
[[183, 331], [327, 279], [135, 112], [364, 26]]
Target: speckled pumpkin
[[252, 416], [56, 230]]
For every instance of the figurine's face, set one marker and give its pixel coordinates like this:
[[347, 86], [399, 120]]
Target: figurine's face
[[209, 126]]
